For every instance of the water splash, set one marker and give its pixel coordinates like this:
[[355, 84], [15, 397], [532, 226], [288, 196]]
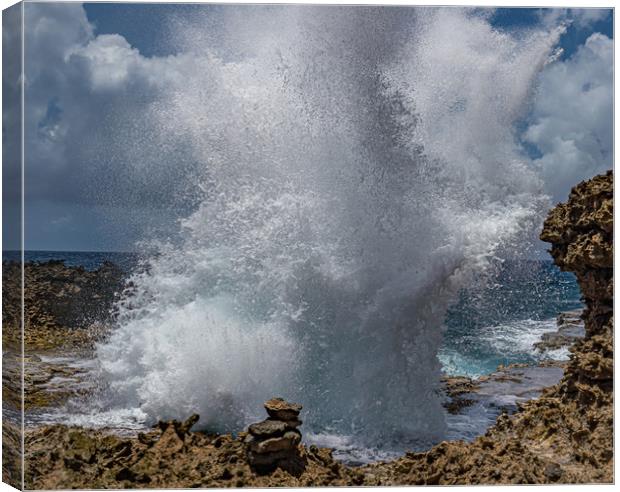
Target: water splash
[[358, 166]]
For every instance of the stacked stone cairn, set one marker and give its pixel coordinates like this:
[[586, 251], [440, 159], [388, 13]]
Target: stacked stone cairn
[[274, 442]]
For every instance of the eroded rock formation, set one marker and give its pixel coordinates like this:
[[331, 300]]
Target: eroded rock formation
[[59, 301], [581, 234], [169, 456]]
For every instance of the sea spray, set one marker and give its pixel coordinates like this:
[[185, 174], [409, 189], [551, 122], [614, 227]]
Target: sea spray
[[357, 167]]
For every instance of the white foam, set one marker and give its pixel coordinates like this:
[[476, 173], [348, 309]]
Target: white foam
[[518, 336], [511, 341], [358, 167]]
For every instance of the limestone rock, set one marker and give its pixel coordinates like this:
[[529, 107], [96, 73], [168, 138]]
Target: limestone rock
[[274, 443], [61, 303], [268, 428], [287, 442], [570, 329], [279, 409]]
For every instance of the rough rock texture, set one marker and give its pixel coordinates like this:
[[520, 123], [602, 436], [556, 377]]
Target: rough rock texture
[[457, 388], [279, 409], [11, 452], [169, 456], [65, 310], [58, 301], [581, 234], [274, 443]]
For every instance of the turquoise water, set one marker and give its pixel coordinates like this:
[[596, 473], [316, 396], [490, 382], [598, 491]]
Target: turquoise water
[[493, 324], [498, 323]]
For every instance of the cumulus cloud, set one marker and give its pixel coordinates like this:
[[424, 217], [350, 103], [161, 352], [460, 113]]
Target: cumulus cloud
[[97, 137], [11, 126], [571, 121], [87, 100], [90, 144], [585, 18]]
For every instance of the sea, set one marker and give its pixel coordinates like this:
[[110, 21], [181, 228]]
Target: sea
[[494, 324]]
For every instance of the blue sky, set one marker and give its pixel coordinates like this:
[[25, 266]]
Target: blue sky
[[575, 36], [142, 24], [83, 195]]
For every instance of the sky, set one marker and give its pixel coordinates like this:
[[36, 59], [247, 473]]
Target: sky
[[90, 69]]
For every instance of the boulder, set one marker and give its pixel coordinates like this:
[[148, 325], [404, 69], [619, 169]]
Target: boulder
[[268, 428]]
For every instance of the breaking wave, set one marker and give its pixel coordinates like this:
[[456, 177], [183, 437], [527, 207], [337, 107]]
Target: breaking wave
[[358, 166]]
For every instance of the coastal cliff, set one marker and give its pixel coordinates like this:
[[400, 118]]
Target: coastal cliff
[[581, 234]]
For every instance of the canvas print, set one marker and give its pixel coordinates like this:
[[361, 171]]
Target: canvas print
[[306, 245]]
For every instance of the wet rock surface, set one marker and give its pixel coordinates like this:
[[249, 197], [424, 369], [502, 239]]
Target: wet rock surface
[[508, 386], [66, 309], [48, 381], [459, 391], [504, 389], [570, 329]]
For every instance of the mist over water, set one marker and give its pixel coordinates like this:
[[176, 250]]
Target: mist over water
[[358, 167]]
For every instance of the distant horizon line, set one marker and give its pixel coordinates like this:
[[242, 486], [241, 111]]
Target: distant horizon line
[[137, 252], [65, 251]]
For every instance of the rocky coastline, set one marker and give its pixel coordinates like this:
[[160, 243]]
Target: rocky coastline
[[62, 305], [558, 434], [66, 309]]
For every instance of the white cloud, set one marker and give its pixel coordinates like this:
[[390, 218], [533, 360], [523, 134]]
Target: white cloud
[[110, 60], [90, 143], [88, 98], [106, 125], [572, 117], [581, 18], [112, 64], [585, 18]]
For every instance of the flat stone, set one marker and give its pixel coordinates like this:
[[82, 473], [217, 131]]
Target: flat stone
[[279, 409], [268, 428], [268, 460], [555, 340], [292, 424], [570, 317], [288, 442]]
